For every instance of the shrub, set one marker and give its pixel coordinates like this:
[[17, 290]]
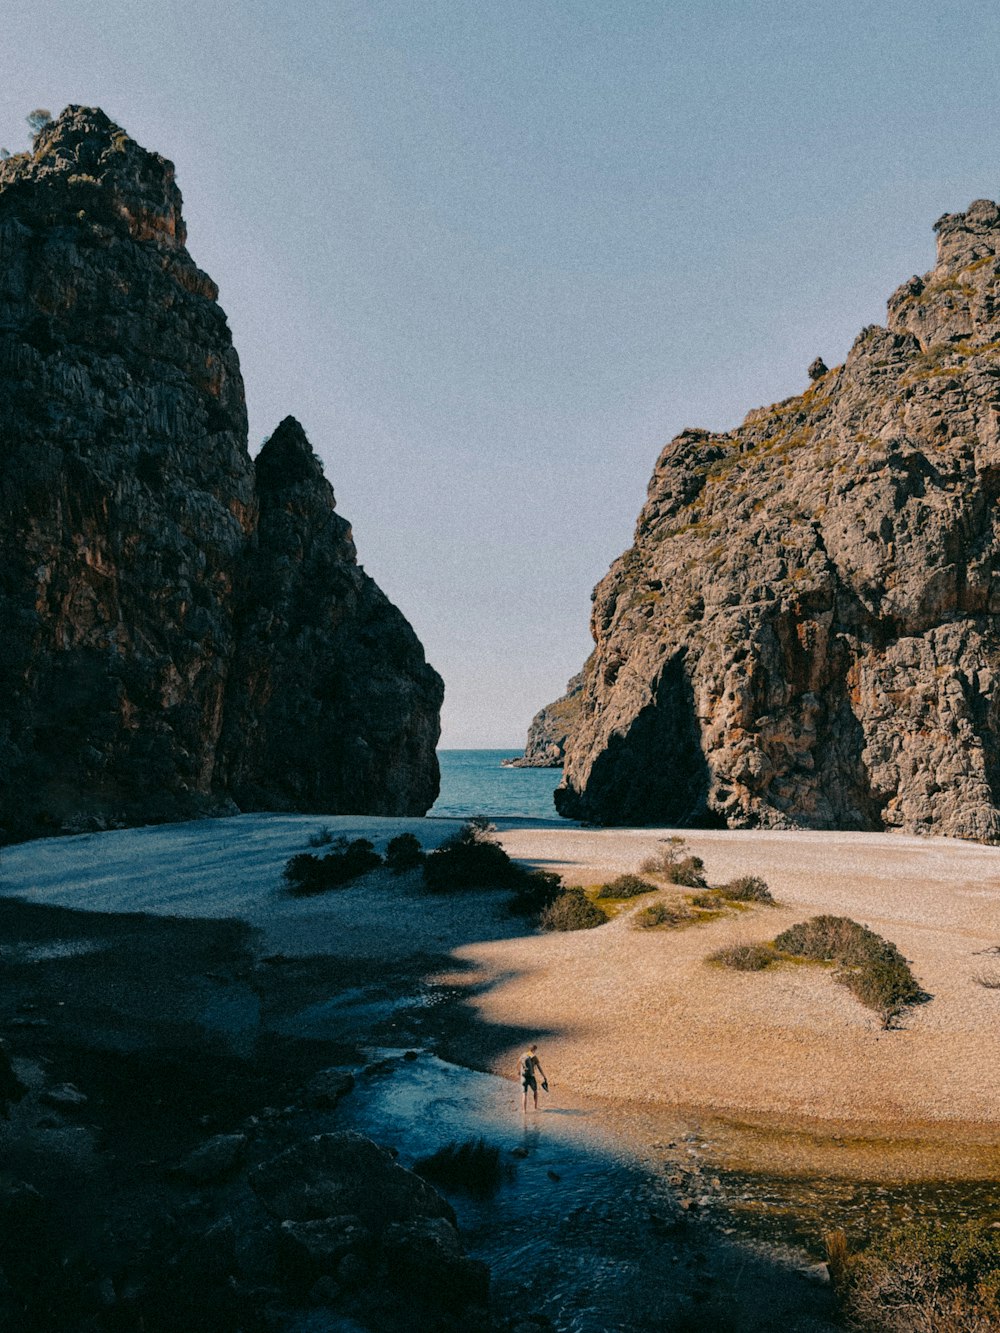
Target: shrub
[[572, 910], [473, 1166], [625, 886], [38, 119], [306, 873], [676, 868], [661, 914], [668, 855], [991, 980], [470, 859], [689, 872], [322, 837], [746, 889], [709, 900], [872, 968], [536, 890], [404, 853], [825, 939], [925, 1277], [745, 957]]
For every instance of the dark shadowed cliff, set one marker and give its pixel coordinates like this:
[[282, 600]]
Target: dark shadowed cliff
[[181, 629], [805, 631]]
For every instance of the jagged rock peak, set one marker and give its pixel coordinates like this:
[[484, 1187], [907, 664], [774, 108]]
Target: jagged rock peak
[[182, 629], [84, 152], [287, 459], [804, 632]]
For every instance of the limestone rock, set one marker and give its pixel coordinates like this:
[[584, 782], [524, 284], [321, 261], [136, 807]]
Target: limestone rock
[[550, 729], [182, 628], [804, 633]]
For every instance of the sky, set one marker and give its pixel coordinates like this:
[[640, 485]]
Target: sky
[[495, 255]]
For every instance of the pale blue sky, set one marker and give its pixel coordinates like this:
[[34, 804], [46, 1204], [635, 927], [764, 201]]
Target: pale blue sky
[[494, 255]]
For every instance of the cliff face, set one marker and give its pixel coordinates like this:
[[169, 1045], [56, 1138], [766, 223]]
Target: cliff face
[[140, 545], [550, 730], [805, 631]]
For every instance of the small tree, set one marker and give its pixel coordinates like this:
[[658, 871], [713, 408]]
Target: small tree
[[38, 119]]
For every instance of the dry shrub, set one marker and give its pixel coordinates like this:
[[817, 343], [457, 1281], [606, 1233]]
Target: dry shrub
[[674, 863], [662, 914], [872, 968], [404, 853], [572, 910], [473, 1166], [746, 889], [307, 874], [470, 859], [745, 957], [925, 1277], [838, 1253], [625, 886]]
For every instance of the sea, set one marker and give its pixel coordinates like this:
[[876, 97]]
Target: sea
[[473, 782]]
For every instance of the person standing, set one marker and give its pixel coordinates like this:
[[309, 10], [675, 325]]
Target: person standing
[[529, 1067]]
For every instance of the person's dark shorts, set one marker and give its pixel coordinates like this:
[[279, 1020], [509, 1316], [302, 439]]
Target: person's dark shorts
[[528, 1081]]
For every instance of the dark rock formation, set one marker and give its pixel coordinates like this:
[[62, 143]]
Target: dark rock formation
[[182, 629], [805, 632], [550, 729]]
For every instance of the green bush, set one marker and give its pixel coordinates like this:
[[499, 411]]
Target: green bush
[[404, 853], [745, 957], [746, 889], [470, 859], [625, 886], [662, 914], [872, 968], [536, 890], [572, 910], [925, 1277], [473, 1166], [307, 874]]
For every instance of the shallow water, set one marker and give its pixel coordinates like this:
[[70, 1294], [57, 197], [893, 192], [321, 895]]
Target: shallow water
[[569, 1231]]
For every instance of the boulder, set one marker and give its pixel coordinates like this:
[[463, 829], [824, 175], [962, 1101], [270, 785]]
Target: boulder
[[426, 1257], [333, 1175], [326, 1088]]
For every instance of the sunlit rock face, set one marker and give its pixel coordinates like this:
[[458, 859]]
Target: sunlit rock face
[[805, 632], [183, 631]]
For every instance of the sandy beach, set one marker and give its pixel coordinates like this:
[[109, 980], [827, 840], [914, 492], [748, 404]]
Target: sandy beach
[[638, 1017], [636, 1021]]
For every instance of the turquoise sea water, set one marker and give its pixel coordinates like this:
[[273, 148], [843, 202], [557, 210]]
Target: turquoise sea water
[[473, 783]]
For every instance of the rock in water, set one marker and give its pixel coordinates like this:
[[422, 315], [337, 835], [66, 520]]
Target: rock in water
[[804, 633], [182, 630], [550, 730]]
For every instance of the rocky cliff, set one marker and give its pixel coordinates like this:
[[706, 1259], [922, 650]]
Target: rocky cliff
[[550, 729], [805, 631], [182, 628]]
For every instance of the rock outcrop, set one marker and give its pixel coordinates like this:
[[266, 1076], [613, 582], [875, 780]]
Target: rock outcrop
[[182, 629], [805, 631], [550, 730]]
